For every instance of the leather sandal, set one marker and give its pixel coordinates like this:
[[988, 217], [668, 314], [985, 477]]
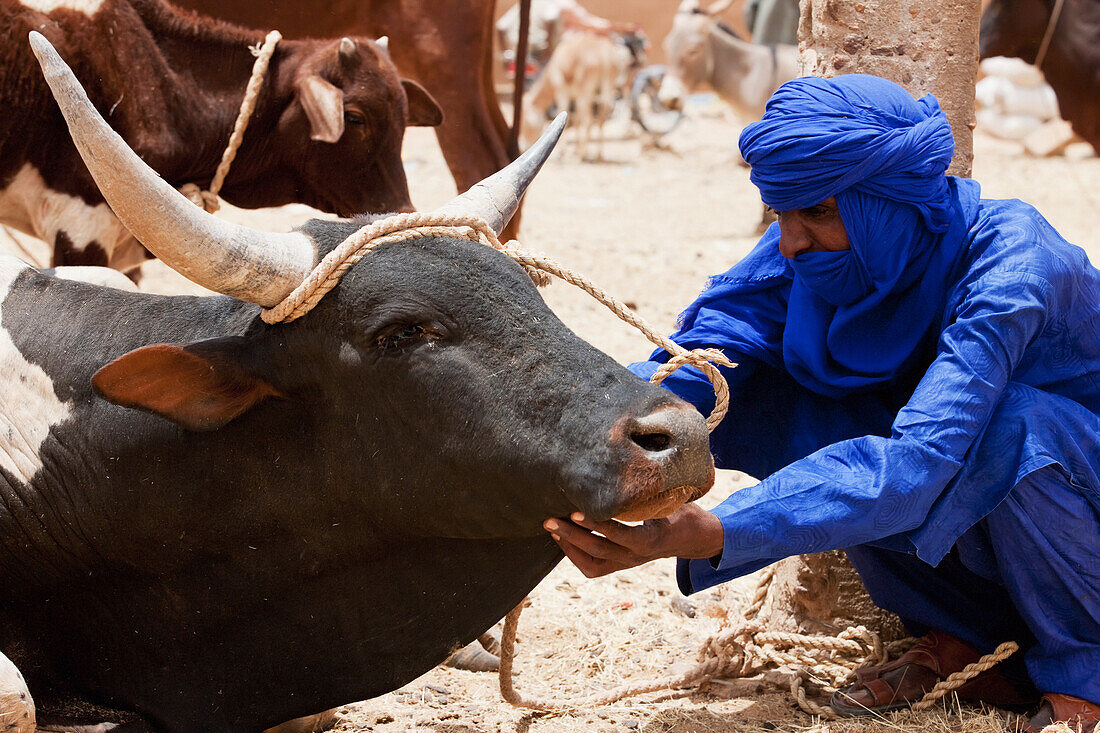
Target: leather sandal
[[1076, 713], [934, 657]]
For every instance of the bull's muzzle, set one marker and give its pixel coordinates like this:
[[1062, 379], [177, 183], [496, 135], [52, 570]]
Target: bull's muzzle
[[668, 462]]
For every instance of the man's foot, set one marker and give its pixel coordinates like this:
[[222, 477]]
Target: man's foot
[[904, 681], [1075, 712]]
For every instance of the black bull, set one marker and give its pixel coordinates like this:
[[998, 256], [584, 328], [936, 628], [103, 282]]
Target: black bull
[[377, 502]]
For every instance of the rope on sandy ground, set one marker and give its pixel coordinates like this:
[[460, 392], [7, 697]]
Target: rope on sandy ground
[[747, 648], [208, 199]]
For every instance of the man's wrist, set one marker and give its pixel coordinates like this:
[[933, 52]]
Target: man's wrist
[[703, 535]]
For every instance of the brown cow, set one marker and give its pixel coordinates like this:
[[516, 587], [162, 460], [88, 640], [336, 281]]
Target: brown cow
[[1072, 62], [446, 45], [327, 130]]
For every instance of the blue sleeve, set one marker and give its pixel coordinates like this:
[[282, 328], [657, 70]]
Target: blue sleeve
[[873, 488]]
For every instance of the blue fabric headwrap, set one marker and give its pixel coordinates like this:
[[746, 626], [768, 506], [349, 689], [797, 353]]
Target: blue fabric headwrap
[[819, 137], [859, 318]]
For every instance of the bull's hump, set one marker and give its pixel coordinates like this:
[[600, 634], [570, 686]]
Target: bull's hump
[[29, 406], [87, 7]]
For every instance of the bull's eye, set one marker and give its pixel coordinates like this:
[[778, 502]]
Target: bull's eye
[[354, 118], [404, 336]]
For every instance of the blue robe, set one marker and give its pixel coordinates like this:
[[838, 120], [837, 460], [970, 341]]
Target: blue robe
[[993, 430]]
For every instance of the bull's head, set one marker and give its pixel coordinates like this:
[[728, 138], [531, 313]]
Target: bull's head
[[340, 135], [432, 371]]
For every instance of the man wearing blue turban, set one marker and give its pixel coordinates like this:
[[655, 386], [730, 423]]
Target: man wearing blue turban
[[919, 384]]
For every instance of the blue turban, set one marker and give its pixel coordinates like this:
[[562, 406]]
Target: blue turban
[[860, 318], [819, 137]]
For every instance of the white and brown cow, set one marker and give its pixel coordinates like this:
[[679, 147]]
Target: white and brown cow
[[327, 129]]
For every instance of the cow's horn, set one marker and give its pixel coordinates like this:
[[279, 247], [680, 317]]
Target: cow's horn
[[497, 197], [259, 267]]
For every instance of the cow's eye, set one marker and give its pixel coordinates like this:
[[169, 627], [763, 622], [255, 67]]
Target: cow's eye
[[404, 336], [354, 118]]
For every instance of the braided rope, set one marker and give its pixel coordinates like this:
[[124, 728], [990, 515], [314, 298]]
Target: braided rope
[[208, 199], [404, 227], [956, 680]]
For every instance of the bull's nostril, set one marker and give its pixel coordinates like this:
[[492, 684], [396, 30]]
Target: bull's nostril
[[652, 442]]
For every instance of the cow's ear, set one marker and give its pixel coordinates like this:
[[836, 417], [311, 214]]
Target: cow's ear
[[199, 386], [324, 106], [423, 109]]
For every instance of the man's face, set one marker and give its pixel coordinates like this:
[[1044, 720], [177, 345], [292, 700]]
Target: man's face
[[817, 228]]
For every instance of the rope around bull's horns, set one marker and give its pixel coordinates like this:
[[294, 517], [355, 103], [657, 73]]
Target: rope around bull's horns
[[736, 652], [404, 227]]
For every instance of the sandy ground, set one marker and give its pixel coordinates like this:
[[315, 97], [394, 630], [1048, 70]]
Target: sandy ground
[[649, 226]]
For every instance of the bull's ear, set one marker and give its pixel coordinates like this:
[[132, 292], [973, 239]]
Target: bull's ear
[[199, 386], [324, 106], [423, 109]]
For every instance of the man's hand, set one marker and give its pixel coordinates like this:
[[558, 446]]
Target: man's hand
[[688, 532]]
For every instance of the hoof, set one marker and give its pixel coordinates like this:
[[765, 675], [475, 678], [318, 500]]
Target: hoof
[[308, 724], [473, 658]]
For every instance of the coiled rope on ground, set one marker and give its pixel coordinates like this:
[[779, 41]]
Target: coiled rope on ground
[[741, 650], [747, 648]]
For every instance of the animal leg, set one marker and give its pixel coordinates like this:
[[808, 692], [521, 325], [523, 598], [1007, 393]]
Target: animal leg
[[605, 106], [586, 100]]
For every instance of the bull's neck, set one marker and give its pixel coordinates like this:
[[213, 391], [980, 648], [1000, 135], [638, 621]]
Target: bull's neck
[[88, 328], [204, 68]]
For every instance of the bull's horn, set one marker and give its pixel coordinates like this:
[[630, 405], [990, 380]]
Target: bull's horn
[[719, 7], [497, 197], [259, 267]]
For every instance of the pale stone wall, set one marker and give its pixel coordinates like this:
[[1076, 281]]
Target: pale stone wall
[[927, 46]]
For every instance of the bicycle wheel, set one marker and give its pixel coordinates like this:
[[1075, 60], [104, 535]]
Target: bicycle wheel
[[646, 107]]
